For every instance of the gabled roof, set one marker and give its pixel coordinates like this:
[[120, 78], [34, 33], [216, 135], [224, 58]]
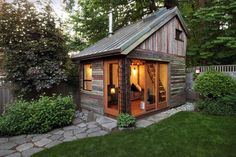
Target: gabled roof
[[126, 39]]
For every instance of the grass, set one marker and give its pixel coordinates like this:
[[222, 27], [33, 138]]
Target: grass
[[186, 134]]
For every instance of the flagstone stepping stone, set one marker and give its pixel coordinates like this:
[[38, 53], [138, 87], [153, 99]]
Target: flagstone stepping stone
[[82, 125], [143, 123], [7, 145], [81, 135], [109, 126], [80, 130], [98, 133], [24, 146], [31, 151], [39, 137], [60, 132], [93, 130], [55, 137], [43, 142], [53, 144], [6, 152], [3, 140], [68, 128], [14, 155]]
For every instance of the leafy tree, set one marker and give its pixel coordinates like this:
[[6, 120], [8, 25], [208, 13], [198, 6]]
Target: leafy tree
[[35, 49], [91, 21], [213, 28]]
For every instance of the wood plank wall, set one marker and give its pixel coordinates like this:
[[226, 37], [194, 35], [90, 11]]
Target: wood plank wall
[[93, 100], [164, 40]]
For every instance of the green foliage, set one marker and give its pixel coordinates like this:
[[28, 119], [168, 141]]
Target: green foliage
[[125, 120], [214, 85], [224, 106], [213, 29], [37, 116], [35, 48]]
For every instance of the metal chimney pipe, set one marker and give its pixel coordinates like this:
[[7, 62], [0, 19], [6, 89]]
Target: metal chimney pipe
[[110, 23]]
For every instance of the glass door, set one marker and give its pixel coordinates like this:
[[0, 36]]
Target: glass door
[[111, 92], [162, 85], [150, 86]]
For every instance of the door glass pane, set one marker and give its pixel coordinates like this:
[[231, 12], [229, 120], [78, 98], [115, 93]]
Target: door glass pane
[[162, 82], [112, 86], [87, 77], [150, 84]]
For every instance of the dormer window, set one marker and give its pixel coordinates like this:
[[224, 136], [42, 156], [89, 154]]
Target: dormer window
[[179, 35]]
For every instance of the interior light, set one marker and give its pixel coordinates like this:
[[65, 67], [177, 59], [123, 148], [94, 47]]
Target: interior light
[[134, 71], [113, 90]]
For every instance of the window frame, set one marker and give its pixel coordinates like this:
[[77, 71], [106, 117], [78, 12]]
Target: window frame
[[178, 35], [85, 80]]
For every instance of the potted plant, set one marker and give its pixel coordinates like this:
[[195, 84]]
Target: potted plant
[[125, 121]]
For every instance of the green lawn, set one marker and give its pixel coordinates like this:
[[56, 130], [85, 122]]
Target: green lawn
[[186, 134]]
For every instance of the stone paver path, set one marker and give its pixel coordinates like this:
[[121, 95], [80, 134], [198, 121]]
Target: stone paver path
[[26, 145]]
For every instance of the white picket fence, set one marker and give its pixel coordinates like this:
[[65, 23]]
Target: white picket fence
[[221, 68]]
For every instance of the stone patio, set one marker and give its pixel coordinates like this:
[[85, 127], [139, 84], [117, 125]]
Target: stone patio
[[26, 145]]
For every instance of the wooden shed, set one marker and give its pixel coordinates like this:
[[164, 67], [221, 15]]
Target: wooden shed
[[139, 69]]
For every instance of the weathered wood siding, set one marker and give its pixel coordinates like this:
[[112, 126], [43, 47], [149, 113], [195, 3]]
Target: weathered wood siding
[[164, 40], [93, 100]]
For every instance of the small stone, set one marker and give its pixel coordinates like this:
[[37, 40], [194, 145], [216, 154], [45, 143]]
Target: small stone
[[31, 151], [43, 142], [82, 135], [6, 152], [7, 145], [68, 128], [24, 146], [60, 132], [14, 155], [39, 137], [82, 125], [77, 121], [53, 144], [80, 130], [93, 130], [55, 137]]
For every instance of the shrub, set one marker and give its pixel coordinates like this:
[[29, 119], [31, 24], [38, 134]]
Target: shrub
[[37, 116], [224, 106], [125, 120], [214, 85]]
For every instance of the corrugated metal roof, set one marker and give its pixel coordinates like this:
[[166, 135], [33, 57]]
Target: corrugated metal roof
[[126, 36]]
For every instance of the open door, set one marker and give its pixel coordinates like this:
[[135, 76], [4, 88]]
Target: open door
[[111, 88], [162, 85], [150, 92]]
